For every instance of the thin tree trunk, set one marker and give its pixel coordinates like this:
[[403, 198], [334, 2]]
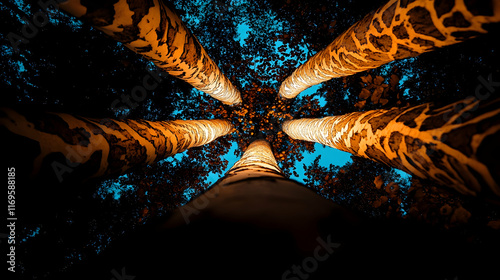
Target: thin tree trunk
[[70, 146], [152, 29], [397, 30], [455, 145]]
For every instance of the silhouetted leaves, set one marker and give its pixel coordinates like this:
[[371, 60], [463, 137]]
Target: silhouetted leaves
[[370, 188]]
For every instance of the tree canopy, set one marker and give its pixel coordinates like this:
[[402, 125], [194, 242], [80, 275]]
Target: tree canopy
[[70, 67]]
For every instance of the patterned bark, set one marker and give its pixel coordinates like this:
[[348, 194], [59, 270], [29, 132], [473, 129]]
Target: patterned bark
[[152, 29], [257, 161], [455, 145], [398, 30], [61, 143]]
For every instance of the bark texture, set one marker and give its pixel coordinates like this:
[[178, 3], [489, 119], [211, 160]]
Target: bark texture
[[397, 30], [257, 161], [152, 29], [455, 145], [62, 143]]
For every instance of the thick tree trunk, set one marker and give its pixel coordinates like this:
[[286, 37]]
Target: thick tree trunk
[[256, 224], [80, 148], [152, 29], [456, 145], [398, 30], [277, 220], [257, 163]]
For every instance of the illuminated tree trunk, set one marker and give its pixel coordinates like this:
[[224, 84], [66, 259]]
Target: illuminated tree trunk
[[255, 199], [81, 148], [397, 30], [152, 29], [257, 169], [257, 161], [456, 145]]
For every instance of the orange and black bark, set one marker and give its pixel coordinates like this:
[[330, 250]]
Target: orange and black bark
[[82, 148], [257, 161], [455, 145], [155, 31], [397, 30]]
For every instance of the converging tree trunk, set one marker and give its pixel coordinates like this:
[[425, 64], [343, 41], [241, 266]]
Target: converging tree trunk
[[257, 224], [257, 169], [65, 146], [152, 29], [455, 145], [256, 220], [397, 30], [257, 161]]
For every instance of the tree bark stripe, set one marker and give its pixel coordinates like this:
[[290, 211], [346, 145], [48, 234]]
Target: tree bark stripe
[[454, 145], [152, 29], [397, 30], [118, 145]]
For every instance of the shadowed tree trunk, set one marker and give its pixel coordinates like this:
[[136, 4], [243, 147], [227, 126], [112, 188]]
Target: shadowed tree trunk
[[455, 145], [152, 29], [75, 147], [254, 209], [256, 224], [252, 224], [398, 30]]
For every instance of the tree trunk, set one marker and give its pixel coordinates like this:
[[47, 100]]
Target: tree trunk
[[152, 29], [275, 219], [397, 30], [256, 224], [257, 161], [67, 146], [455, 145]]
